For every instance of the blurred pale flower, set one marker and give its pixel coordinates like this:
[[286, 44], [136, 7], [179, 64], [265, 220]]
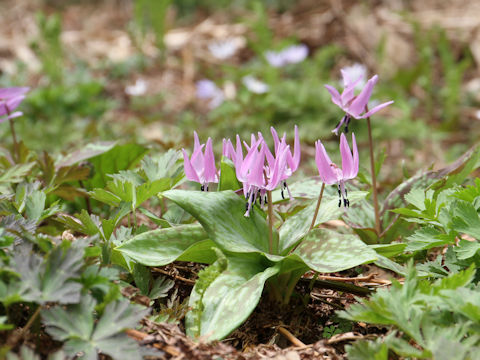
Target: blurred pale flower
[[137, 89], [254, 85], [223, 49], [10, 99], [355, 72], [290, 55], [206, 89]]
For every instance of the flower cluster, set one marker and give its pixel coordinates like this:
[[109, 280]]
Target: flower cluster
[[10, 99]]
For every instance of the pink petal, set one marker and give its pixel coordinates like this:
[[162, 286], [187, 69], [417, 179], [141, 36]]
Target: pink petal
[[347, 159], [356, 159], [296, 151], [256, 177], [358, 105], [209, 172], [323, 164], [335, 95], [279, 169], [375, 109], [7, 93], [190, 172], [276, 140]]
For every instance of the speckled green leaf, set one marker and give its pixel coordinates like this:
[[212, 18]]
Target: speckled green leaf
[[327, 251], [222, 216], [228, 178], [296, 226], [231, 297], [163, 246]]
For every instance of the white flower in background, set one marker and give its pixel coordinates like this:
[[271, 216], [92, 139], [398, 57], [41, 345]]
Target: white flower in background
[[355, 72], [137, 89], [223, 49], [290, 55], [295, 53], [206, 89], [254, 85]]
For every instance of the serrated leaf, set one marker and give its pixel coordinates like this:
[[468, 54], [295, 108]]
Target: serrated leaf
[[467, 249], [163, 246], [35, 204], [75, 326], [425, 238], [367, 350], [52, 279], [327, 251], [222, 216], [465, 219]]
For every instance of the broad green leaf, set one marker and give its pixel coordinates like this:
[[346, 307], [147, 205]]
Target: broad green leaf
[[327, 251], [228, 177], [163, 246], [389, 250], [3, 324], [88, 152], [231, 298], [222, 216], [297, 226], [76, 327], [120, 157]]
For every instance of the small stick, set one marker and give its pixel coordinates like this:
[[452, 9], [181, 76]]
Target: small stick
[[181, 278], [290, 337]]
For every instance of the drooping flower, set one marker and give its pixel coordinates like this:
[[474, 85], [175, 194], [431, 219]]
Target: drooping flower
[[261, 170], [330, 173], [354, 105], [223, 49], [206, 89], [254, 85], [290, 55], [10, 99], [201, 166]]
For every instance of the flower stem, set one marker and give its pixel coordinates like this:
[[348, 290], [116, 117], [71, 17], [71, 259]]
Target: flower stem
[[378, 229], [14, 136], [317, 208], [270, 222]]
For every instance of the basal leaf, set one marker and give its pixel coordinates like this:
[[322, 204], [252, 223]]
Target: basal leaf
[[296, 226], [222, 216], [163, 246], [230, 298], [228, 177], [327, 251]]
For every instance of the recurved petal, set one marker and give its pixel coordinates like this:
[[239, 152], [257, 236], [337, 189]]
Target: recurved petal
[[7, 93], [376, 108], [323, 164], [348, 167], [190, 172], [210, 171], [360, 102], [335, 95]]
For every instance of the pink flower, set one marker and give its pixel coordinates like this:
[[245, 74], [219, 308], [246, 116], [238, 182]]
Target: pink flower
[[201, 166], [354, 106], [10, 99], [330, 173], [261, 170]]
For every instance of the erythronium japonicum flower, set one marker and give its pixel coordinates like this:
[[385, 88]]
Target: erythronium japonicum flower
[[201, 166], [261, 170], [10, 99], [330, 173], [354, 106]]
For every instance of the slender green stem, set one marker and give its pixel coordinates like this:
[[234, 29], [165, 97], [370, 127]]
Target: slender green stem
[[378, 229], [14, 137], [270, 222], [317, 208]]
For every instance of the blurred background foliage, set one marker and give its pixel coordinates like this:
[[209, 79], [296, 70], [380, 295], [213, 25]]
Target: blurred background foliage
[[83, 59]]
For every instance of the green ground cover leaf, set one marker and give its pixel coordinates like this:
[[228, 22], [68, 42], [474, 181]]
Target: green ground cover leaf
[[163, 246], [222, 216], [75, 325]]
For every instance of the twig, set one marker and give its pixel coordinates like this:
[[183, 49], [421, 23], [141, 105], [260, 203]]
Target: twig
[[290, 337], [336, 306], [339, 286], [177, 277]]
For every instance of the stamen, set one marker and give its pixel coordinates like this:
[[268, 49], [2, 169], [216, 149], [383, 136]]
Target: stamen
[[202, 188], [347, 122]]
